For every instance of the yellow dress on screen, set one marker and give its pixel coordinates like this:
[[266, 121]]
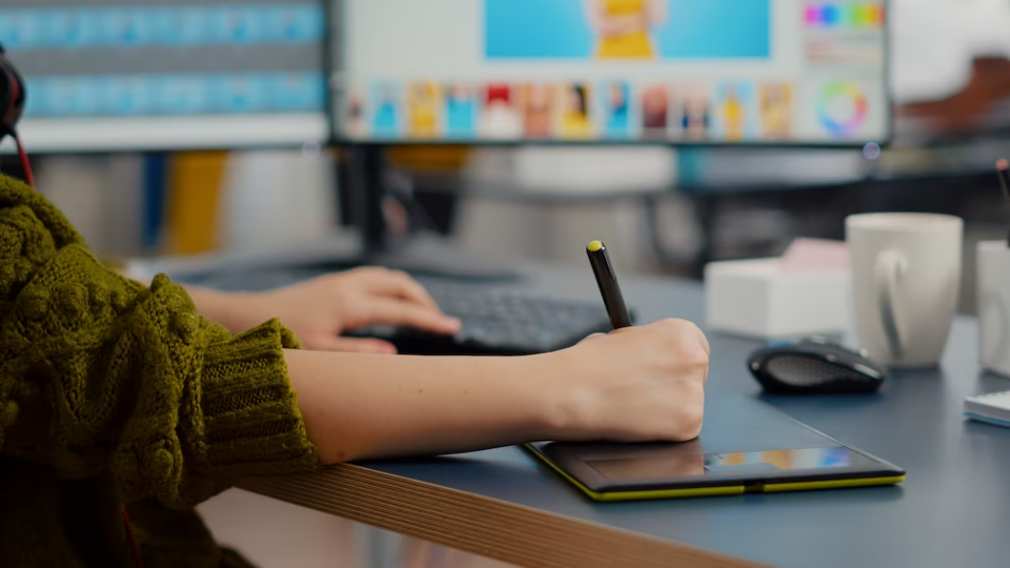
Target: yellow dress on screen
[[424, 123], [733, 114], [636, 45], [575, 125], [423, 112]]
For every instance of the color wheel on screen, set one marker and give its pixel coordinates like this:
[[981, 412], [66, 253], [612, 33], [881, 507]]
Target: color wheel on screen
[[842, 107]]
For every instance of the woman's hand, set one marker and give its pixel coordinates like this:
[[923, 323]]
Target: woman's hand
[[318, 311], [636, 384]]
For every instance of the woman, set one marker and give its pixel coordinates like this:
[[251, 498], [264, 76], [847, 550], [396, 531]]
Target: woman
[[624, 27], [500, 119], [656, 110], [575, 116], [113, 393], [537, 102], [423, 104], [386, 121], [461, 110], [618, 110], [356, 126], [733, 114]]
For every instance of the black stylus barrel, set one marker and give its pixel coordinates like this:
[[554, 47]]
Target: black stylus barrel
[[609, 288]]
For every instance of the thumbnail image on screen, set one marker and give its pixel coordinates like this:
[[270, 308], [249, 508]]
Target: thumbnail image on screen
[[668, 71]]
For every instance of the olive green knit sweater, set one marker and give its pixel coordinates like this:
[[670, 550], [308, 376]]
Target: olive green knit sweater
[[114, 393]]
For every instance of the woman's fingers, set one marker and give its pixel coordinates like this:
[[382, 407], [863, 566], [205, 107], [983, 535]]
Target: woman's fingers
[[392, 283], [400, 313], [352, 345]]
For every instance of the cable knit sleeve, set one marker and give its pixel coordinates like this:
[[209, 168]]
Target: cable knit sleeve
[[98, 372]]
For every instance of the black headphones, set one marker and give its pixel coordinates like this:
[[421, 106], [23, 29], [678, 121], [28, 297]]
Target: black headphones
[[12, 96]]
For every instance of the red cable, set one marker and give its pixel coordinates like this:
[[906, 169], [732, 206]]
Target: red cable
[[26, 165], [138, 560]]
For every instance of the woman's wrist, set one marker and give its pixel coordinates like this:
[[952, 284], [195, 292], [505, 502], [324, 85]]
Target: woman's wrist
[[574, 407], [565, 406], [360, 407], [550, 395], [235, 311]]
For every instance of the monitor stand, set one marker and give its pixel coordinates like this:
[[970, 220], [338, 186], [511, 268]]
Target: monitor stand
[[363, 177]]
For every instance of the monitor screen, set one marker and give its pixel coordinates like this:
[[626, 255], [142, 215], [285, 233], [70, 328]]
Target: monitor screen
[[168, 74], [663, 71]]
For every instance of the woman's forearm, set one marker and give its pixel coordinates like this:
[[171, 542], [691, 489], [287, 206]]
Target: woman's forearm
[[216, 306], [223, 308], [373, 406]]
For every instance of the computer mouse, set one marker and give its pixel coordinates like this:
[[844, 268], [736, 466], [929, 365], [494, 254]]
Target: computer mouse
[[815, 366]]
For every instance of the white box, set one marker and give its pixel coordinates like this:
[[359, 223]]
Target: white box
[[760, 298], [994, 306]]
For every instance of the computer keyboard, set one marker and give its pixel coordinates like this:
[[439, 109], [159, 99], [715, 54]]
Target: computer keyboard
[[499, 322], [496, 321]]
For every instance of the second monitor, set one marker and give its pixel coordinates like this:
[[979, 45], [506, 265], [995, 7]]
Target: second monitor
[[661, 71], [168, 74]]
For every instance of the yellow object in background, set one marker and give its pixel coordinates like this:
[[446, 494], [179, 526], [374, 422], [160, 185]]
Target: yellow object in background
[[194, 198], [633, 45], [423, 101], [423, 157]]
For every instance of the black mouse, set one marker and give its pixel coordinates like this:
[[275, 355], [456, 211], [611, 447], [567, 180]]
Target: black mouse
[[815, 366]]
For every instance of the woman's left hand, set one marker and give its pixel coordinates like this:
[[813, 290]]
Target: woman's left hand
[[320, 310]]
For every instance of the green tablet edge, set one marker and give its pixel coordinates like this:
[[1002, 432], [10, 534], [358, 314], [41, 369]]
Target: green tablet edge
[[655, 494]]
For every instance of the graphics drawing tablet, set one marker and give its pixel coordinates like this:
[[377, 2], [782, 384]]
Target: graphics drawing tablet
[[745, 447]]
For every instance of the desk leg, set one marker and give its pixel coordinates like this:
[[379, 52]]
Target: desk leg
[[704, 210]]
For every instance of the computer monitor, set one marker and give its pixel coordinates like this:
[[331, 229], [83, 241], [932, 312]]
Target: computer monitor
[[105, 75], [698, 72]]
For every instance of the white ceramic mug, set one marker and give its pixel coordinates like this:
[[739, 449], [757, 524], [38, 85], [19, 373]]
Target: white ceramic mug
[[906, 279]]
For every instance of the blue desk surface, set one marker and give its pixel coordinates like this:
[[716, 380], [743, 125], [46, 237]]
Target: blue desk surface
[[954, 509]]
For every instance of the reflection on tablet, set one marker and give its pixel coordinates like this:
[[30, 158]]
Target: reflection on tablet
[[662, 464], [658, 466]]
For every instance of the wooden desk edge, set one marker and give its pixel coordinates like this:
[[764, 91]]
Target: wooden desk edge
[[488, 527]]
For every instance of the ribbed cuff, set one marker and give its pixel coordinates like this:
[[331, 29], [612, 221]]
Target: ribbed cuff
[[252, 424]]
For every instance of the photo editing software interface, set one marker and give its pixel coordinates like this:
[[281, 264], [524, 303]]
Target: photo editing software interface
[[168, 73], [665, 71]]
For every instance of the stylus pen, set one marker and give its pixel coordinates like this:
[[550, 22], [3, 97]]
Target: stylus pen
[[609, 288], [1003, 170]]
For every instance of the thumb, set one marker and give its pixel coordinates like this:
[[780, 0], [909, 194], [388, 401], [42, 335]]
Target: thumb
[[593, 337], [351, 345]]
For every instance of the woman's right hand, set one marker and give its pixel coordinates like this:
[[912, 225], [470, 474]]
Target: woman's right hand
[[638, 384]]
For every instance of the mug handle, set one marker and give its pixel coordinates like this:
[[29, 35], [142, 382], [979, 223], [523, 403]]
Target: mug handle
[[891, 268]]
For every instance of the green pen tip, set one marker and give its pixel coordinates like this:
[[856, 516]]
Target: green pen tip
[[595, 246]]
